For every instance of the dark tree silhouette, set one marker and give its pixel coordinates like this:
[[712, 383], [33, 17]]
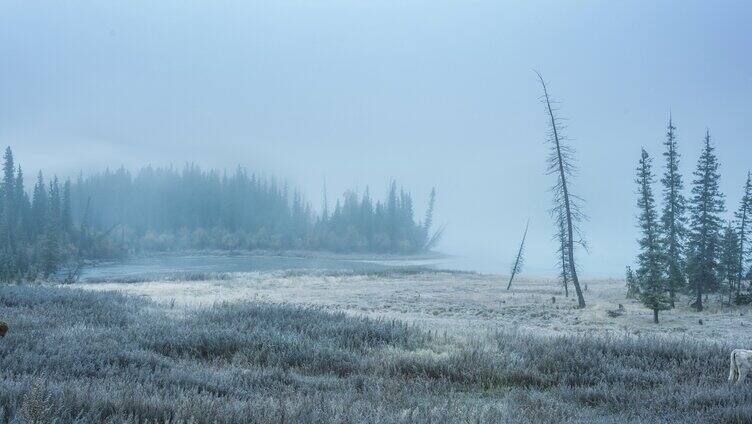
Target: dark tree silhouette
[[673, 219], [743, 216], [729, 268], [520, 258], [561, 238], [650, 270], [633, 286], [706, 207], [566, 205]]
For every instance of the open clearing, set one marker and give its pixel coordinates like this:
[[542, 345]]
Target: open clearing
[[395, 347], [459, 303]]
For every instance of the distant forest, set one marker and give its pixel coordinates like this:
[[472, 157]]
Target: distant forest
[[114, 213]]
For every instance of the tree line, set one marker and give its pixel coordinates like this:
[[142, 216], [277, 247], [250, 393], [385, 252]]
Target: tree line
[[688, 247], [115, 213], [35, 231]]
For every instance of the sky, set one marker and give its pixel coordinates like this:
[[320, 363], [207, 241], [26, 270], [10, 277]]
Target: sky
[[354, 93]]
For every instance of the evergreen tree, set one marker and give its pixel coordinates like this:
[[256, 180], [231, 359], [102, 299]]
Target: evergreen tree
[[9, 193], [743, 217], [428, 222], [39, 207], [728, 265], [650, 270], [673, 219], [23, 231], [24, 207], [8, 215], [66, 218], [51, 254], [392, 207], [633, 286], [705, 224]]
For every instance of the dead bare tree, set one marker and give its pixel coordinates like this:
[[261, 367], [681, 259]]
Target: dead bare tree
[[519, 260], [566, 205], [561, 238], [75, 270]]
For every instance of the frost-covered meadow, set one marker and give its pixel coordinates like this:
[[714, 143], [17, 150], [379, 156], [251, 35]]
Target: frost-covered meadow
[[397, 347], [456, 302]]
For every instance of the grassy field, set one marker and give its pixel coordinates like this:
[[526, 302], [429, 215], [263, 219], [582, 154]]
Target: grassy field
[[81, 356]]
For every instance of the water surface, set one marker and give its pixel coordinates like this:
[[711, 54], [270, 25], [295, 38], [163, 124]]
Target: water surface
[[156, 266]]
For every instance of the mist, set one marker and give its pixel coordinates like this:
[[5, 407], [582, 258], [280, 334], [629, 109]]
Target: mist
[[354, 94]]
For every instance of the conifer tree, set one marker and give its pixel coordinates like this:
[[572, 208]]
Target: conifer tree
[[650, 271], [66, 219], [633, 286], [705, 223], [392, 210], [743, 217], [728, 264], [50, 258], [673, 219], [39, 207], [24, 207], [9, 188], [23, 229], [8, 206], [566, 205], [428, 222]]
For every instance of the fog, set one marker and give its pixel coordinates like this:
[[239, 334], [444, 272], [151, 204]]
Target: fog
[[354, 93]]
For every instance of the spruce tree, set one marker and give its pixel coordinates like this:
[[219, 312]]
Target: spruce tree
[[743, 217], [9, 190], [8, 217], [24, 207], [650, 270], [673, 219], [705, 223], [728, 264], [633, 287], [51, 258], [428, 222], [39, 207], [24, 225], [66, 218]]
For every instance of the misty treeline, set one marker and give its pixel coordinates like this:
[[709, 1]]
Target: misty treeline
[[689, 246], [113, 213], [158, 209], [35, 231]]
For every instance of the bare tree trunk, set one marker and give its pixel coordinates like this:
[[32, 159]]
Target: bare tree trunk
[[518, 260], [73, 275], [509, 285], [565, 198]]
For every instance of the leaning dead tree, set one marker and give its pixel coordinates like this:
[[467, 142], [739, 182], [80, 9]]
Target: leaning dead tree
[[566, 205], [519, 260], [561, 239]]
